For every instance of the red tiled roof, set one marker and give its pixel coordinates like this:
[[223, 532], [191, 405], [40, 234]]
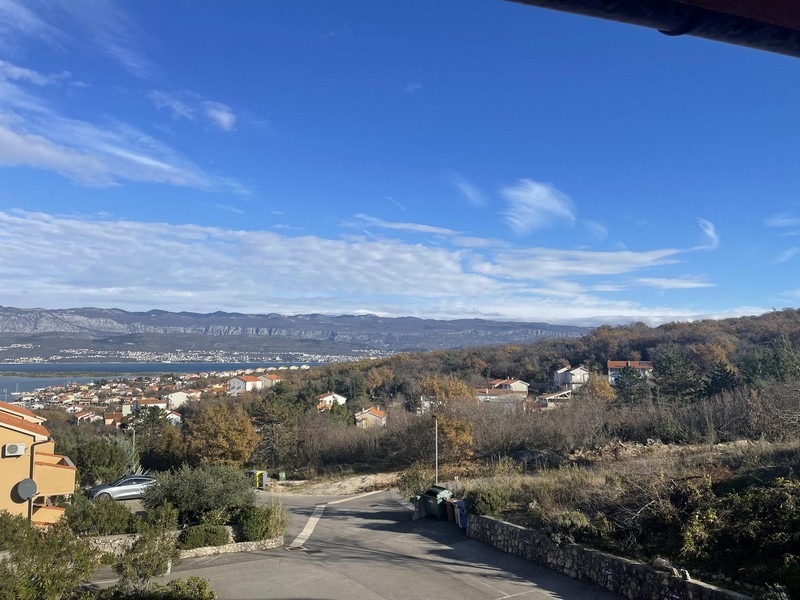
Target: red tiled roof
[[377, 412], [273, 377], [7, 407], [247, 378], [635, 364], [20, 423]]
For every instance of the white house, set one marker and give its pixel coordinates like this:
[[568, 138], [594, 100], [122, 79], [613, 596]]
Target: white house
[[176, 399], [270, 379], [370, 417], [510, 384], [146, 403], [326, 400], [571, 379], [244, 383]]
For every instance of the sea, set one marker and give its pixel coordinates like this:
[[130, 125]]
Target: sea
[[30, 377]]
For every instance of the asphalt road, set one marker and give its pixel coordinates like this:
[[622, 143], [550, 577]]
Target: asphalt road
[[368, 548]]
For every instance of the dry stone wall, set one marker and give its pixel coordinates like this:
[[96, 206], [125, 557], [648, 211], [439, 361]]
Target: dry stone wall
[[118, 544], [629, 579]]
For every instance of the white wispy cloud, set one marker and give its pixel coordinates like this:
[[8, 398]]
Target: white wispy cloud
[[787, 255], [412, 227], [34, 133], [552, 263], [220, 115], [596, 229], [110, 29], [534, 205], [710, 232], [782, 220], [19, 21], [63, 261], [412, 87], [674, 283], [470, 191], [178, 108], [184, 104], [13, 72]]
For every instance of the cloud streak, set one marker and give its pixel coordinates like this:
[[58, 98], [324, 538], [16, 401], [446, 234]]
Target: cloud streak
[[58, 261], [533, 205], [33, 133], [711, 233], [468, 189]]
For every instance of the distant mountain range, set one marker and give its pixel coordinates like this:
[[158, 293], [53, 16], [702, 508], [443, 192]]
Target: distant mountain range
[[94, 333]]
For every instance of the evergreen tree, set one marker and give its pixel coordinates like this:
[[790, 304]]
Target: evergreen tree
[[674, 375], [631, 386], [721, 379]]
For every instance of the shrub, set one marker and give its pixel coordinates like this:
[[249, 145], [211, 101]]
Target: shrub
[[486, 500], [261, 522], [209, 493], [200, 536], [192, 588], [99, 460], [101, 517], [415, 480], [42, 565]]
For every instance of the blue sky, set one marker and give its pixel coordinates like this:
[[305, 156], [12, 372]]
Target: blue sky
[[443, 159]]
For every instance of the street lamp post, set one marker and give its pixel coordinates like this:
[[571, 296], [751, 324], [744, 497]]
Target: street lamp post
[[436, 447]]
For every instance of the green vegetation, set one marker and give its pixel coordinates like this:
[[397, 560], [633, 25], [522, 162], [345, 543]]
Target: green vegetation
[[200, 536], [209, 494], [41, 565], [100, 517], [687, 464], [255, 523]]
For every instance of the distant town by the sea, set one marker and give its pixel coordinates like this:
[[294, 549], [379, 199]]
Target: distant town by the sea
[[27, 377]]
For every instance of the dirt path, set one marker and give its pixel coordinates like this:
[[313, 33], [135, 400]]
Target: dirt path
[[355, 484]]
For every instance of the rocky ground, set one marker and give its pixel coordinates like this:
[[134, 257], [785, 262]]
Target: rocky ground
[[355, 484]]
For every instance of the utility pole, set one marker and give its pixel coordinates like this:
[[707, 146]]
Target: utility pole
[[436, 447]]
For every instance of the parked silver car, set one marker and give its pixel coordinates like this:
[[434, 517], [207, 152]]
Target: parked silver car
[[128, 487]]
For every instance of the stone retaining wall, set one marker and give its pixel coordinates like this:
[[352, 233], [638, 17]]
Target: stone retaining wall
[[629, 579], [235, 547], [117, 544]]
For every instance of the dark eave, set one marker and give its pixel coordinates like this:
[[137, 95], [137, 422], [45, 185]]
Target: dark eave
[[771, 25]]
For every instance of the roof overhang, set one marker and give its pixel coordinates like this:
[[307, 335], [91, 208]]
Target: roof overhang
[[772, 25]]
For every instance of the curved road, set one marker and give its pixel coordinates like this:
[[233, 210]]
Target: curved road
[[367, 547]]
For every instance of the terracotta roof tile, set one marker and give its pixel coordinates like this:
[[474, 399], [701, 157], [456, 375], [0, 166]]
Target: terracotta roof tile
[[20, 423], [7, 407]]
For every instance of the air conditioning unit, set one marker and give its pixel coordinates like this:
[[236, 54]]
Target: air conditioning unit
[[13, 450]]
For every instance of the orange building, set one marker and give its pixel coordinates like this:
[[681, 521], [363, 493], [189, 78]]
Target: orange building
[[30, 471]]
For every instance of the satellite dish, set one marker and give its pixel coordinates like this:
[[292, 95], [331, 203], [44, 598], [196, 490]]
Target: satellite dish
[[26, 489]]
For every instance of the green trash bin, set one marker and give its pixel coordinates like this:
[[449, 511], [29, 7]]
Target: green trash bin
[[281, 475], [434, 498]]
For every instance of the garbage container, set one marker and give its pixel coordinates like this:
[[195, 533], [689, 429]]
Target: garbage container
[[451, 510], [461, 513], [257, 477], [434, 498], [281, 475]]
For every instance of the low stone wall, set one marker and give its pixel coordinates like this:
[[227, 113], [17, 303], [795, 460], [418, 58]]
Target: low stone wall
[[235, 547], [629, 579], [113, 544], [118, 544]]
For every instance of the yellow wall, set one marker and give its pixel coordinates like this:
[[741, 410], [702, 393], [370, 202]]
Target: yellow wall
[[54, 474], [13, 470]]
